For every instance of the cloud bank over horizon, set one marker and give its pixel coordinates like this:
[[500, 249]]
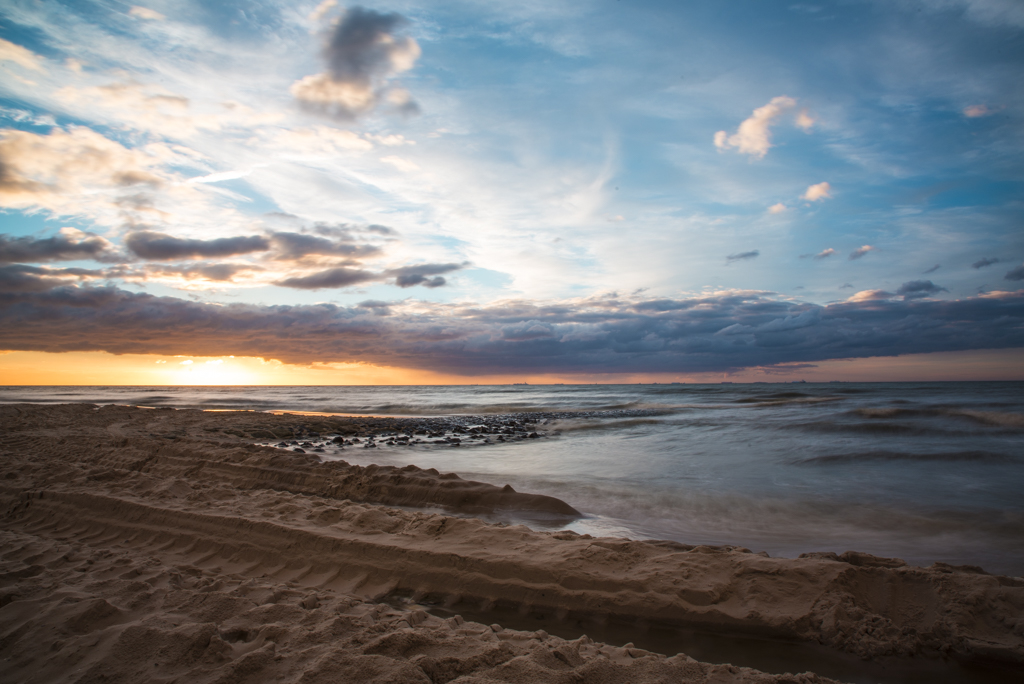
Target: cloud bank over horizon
[[609, 334]]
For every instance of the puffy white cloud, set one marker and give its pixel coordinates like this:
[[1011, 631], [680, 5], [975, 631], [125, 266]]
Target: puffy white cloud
[[816, 192], [754, 136], [779, 208]]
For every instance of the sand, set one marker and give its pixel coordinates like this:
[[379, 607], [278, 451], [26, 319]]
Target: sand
[[161, 545]]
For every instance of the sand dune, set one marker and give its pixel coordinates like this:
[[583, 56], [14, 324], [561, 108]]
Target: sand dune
[[163, 545]]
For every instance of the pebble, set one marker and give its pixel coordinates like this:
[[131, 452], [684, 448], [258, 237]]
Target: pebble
[[452, 431]]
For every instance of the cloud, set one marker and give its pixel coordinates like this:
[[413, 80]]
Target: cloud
[[149, 107], [340, 276], [378, 307], [754, 136], [363, 54], [20, 278], [976, 111], [933, 269], [322, 9], [984, 262], [220, 177], [403, 165], [71, 172], [69, 245], [344, 276], [219, 273], [861, 251], [804, 121], [298, 245], [823, 254], [1015, 274], [715, 332], [162, 247], [140, 12], [742, 256], [777, 208], [408, 276], [416, 279], [817, 192], [9, 52], [870, 296], [916, 289]]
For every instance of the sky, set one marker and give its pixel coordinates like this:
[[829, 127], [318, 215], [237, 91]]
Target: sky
[[252, 191]]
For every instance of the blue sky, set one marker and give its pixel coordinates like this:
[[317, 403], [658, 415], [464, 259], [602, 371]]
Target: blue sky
[[451, 158]]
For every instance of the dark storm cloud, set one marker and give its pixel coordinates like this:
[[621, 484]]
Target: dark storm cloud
[[362, 53], [1015, 274], [63, 247], [983, 262], [330, 278], [410, 276], [162, 247], [742, 256], [416, 279], [22, 278], [297, 245], [343, 276], [360, 48], [916, 289], [710, 333], [378, 307]]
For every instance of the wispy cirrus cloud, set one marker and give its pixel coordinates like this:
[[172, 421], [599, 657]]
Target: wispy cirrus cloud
[[742, 256], [23, 57], [984, 262]]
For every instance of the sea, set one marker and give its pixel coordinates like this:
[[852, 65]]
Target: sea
[[923, 471]]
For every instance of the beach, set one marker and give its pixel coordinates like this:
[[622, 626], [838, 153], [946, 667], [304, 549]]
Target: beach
[[173, 545]]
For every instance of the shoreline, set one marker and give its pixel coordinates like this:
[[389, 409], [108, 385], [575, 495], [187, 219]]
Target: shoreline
[[189, 488]]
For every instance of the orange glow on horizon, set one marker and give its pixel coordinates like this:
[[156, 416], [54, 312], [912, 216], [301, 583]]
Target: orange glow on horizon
[[101, 368]]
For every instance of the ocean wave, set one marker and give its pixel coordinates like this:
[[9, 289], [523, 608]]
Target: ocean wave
[[1003, 419], [571, 425], [772, 397], [882, 455], [867, 428]]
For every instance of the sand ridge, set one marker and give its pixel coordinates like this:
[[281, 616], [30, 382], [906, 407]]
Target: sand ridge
[[167, 490]]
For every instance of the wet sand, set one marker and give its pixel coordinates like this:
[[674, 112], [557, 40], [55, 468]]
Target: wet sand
[[164, 545]]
